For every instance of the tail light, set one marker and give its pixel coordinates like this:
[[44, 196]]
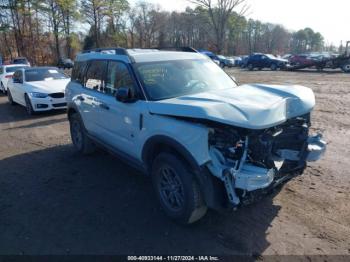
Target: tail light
[[8, 76]]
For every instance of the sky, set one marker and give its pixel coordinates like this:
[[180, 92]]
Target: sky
[[330, 18]]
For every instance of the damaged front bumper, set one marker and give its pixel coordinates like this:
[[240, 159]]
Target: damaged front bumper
[[253, 181]]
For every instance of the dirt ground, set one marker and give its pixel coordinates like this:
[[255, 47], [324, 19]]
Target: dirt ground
[[55, 201]]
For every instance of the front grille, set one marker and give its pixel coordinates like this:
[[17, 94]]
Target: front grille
[[57, 95], [59, 105]]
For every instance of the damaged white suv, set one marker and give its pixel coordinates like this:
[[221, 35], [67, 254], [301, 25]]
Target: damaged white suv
[[206, 142]]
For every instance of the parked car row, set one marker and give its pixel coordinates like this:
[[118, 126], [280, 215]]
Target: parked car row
[[36, 88], [222, 61]]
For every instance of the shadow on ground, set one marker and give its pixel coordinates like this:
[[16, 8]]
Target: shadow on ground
[[15, 113], [55, 201]]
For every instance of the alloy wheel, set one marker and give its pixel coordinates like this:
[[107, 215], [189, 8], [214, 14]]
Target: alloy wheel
[[171, 189]]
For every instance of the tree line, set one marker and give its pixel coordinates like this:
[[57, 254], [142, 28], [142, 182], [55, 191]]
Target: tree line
[[44, 31]]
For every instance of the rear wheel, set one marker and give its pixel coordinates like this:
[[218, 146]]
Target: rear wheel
[[177, 190], [273, 67], [79, 137], [346, 68]]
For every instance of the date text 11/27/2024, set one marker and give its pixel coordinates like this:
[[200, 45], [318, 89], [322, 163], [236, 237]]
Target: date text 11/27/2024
[[173, 258]]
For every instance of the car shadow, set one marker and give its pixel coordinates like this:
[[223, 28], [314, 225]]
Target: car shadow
[[55, 201], [39, 123], [14, 113]]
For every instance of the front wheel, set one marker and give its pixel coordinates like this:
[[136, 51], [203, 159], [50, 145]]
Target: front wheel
[[250, 67], [9, 97], [177, 190], [29, 106], [273, 67]]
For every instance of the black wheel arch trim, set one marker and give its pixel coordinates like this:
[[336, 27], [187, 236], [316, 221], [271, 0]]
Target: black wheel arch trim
[[71, 106], [211, 191], [172, 143]]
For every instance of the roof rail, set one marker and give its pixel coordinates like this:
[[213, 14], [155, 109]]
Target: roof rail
[[117, 50], [181, 48]]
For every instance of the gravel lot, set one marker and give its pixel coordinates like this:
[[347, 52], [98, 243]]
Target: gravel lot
[[55, 201]]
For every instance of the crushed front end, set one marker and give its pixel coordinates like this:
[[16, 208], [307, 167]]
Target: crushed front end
[[250, 163]]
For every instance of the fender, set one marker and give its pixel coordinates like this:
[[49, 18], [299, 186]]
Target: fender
[[71, 106], [152, 142]]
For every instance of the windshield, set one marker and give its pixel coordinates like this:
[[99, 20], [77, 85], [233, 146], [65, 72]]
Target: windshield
[[167, 79], [271, 56], [13, 68], [43, 74]]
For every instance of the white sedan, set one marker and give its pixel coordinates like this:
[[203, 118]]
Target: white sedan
[[6, 72], [38, 89]]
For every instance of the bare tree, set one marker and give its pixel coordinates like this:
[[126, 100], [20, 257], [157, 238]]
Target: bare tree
[[219, 12], [95, 12]]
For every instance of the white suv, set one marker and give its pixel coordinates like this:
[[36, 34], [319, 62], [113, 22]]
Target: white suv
[[205, 141]]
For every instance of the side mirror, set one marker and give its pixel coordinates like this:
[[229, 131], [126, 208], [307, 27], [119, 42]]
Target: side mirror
[[125, 95], [17, 81]]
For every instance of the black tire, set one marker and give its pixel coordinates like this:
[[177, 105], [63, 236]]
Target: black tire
[[222, 65], [3, 88], [80, 139], [273, 67], [29, 107], [346, 68], [250, 67], [9, 97], [184, 203]]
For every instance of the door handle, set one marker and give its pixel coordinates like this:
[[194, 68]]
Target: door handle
[[104, 106], [80, 98]]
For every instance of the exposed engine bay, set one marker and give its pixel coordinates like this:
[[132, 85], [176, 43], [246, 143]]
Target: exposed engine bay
[[250, 160]]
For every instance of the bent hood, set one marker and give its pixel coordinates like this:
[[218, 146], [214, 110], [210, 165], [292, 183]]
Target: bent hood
[[49, 86], [255, 106]]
